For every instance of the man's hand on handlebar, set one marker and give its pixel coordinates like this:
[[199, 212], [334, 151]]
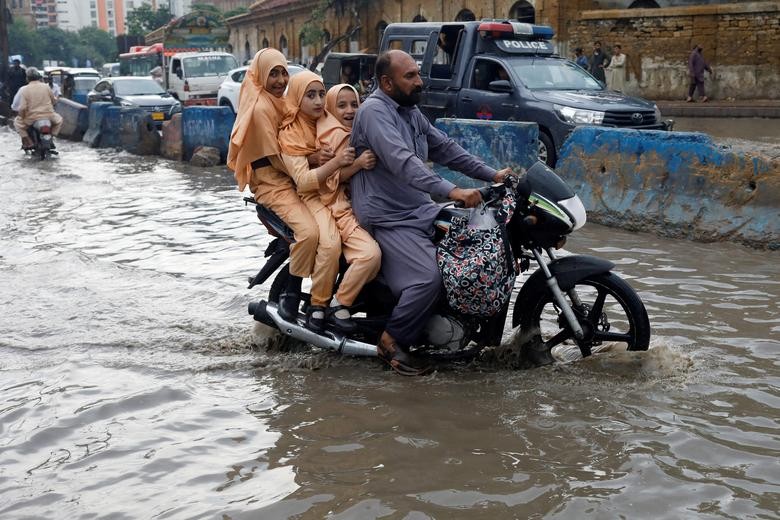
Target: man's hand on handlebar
[[501, 175], [468, 198]]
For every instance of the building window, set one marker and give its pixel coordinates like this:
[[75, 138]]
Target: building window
[[465, 15], [523, 12]]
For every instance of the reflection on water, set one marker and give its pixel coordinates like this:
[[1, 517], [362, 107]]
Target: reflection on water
[[129, 369]]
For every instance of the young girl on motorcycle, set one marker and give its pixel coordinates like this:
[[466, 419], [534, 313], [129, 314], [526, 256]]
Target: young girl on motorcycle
[[298, 140], [359, 248], [254, 157]]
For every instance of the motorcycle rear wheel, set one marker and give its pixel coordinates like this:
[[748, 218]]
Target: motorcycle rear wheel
[[611, 312]]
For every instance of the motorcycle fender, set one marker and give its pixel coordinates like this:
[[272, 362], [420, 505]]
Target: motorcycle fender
[[569, 270]]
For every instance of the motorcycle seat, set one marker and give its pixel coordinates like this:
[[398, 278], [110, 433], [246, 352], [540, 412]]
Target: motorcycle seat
[[275, 225]]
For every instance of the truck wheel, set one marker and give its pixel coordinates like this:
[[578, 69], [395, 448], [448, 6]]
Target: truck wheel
[[546, 149]]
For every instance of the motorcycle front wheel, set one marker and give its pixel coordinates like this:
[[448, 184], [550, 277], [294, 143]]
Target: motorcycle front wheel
[[609, 311]]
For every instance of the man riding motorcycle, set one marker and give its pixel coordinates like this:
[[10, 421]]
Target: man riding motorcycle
[[36, 101]]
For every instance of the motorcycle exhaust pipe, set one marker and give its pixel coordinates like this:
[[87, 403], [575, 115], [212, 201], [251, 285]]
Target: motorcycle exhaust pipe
[[329, 340]]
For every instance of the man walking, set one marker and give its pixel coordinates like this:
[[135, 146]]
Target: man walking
[[393, 201], [696, 67]]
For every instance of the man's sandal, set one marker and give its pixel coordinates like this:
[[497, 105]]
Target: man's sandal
[[401, 362]]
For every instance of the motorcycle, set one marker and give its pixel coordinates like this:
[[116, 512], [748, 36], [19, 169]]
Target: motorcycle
[[568, 300], [42, 140]]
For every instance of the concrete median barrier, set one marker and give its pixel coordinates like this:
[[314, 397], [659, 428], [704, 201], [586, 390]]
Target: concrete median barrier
[[138, 133], [498, 143], [171, 146], [96, 114], [206, 126], [75, 119], [676, 184]]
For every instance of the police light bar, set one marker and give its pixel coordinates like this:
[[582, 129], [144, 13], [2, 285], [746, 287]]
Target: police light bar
[[509, 29]]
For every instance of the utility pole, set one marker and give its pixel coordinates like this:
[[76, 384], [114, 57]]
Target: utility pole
[[5, 16]]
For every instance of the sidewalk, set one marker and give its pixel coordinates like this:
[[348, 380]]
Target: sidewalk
[[721, 108]]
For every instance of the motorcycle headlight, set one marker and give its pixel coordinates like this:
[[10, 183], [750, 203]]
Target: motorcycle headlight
[[579, 116], [576, 209]]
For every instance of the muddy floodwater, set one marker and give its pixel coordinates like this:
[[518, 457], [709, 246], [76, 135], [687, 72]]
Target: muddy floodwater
[[133, 384]]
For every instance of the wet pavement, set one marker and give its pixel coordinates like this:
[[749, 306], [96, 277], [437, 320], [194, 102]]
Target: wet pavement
[[133, 384]]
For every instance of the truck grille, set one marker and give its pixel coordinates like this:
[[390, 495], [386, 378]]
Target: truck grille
[[629, 119]]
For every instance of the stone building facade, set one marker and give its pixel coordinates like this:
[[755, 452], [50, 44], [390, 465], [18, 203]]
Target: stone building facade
[[741, 40]]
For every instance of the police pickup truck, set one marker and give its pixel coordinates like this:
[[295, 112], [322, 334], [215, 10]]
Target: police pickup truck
[[508, 71]]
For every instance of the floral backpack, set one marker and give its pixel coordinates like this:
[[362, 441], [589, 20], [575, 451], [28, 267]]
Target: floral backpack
[[476, 260]]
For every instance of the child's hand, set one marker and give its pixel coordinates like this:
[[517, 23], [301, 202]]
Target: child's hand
[[346, 157], [321, 156], [367, 160]]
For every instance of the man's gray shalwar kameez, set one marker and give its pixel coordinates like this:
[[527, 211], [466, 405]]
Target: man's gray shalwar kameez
[[393, 202]]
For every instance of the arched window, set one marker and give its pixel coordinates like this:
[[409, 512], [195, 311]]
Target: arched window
[[283, 45], [419, 18], [380, 30], [523, 12], [644, 4], [465, 15], [265, 43], [247, 51], [304, 48]]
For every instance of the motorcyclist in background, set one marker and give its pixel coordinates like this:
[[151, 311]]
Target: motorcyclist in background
[[35, 101]]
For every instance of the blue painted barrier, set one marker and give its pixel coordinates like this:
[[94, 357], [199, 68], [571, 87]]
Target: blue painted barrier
[[206, 126], [498, 143], [138, 132], [676, 184], [111, 128], [75, 118], [96, 113]]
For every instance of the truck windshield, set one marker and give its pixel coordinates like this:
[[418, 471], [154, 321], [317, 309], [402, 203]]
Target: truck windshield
[[204, 66], [552, 74]]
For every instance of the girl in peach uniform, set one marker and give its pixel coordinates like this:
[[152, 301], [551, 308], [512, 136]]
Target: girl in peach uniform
[[321, 190], [254, 157]]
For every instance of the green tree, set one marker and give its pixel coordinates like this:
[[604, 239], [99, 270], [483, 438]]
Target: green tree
[[237, 11], [51, 43], [23, 40], [313, 31], [103, 44], [208, 8], [142, 20]]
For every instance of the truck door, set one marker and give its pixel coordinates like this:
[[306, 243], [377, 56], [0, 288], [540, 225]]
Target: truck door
[[176, 79], [439, 71], [476, 100]]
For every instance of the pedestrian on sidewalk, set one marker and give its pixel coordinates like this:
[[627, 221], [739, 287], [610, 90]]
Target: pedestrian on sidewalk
[[580, 58], [696, 67], [598, 61], [616, 70]]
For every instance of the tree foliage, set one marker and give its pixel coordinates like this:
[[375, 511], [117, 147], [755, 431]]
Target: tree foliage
[[143, 20], [313, 31], [52, 43]]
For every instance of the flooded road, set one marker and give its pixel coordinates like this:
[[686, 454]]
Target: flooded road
[[130, 386]]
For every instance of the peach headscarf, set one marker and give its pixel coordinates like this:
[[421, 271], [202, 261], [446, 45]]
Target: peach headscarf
[[298, 135], [255, 131], [330, 131]]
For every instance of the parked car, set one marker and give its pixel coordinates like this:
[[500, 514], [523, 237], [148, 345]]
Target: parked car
[[133, 91], [227, 96], [110, 70]]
